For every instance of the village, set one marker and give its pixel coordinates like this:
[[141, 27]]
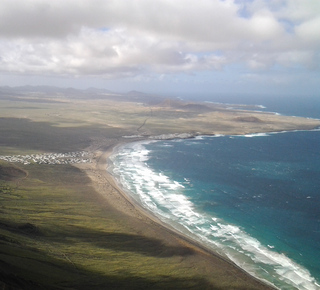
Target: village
[[49, 158]]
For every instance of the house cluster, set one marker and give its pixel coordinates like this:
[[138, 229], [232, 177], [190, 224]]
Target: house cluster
[[50, 158]]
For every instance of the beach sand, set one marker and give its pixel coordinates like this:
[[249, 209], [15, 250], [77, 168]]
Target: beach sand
[[219, 272]]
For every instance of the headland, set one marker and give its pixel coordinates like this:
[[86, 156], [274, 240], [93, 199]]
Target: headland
[[77, 217]]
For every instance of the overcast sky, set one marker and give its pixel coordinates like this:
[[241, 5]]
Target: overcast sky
[[164, 46]]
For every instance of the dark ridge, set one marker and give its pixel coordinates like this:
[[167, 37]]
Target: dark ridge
[[191, 107], [41, 93], [197, 108]]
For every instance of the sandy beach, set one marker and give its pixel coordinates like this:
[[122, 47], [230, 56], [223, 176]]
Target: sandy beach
[[211, 265], [90, 219]]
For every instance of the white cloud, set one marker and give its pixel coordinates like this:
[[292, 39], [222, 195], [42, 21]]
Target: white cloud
[[309, 33], [119, 38]]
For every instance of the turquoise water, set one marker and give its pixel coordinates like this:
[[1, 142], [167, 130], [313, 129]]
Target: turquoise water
[[253, 198]]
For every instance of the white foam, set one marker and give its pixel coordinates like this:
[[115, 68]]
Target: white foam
[[218, 135], [164, 198], [261, 106], [132, 136], [256, 135]]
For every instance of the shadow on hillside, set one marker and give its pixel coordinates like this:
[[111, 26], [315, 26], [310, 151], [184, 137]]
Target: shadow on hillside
[[129, 243], [29, 268]]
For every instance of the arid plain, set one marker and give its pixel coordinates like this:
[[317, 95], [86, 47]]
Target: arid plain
[[69, 226]]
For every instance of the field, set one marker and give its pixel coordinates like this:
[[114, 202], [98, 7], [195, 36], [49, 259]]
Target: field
[[57, 229], [56, 232]]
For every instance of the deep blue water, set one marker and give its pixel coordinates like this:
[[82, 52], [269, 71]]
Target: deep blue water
[[254, 198]]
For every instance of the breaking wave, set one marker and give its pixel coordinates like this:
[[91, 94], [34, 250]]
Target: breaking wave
[[165, 198]]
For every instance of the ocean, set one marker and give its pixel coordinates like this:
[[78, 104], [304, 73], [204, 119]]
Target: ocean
[[252, 198]]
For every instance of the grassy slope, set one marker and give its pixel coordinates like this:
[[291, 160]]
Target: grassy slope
[[56, 232]]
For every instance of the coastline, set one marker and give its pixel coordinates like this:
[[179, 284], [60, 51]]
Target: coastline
[[106, 185], [99, 226]]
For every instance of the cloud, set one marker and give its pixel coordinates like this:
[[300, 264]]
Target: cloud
[[120, 38]]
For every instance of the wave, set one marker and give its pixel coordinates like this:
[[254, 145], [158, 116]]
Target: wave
[[165, 198], [256, 135], [261, 106], [201, 137], [251, 135]]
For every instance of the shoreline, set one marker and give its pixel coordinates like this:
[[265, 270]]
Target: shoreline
[[146, 243], [107, 186]]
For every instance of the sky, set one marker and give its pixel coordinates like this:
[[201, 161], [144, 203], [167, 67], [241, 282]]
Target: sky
[[205, 47]]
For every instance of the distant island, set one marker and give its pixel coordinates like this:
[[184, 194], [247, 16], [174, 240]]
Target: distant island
[[65, 223]]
